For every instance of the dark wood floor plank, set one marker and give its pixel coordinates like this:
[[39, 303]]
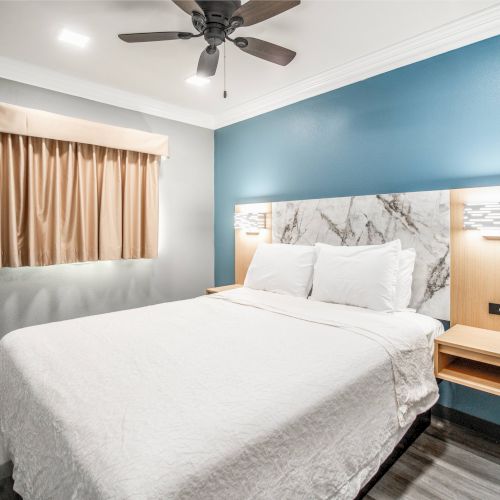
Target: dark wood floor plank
[[437, 480], [457, 459], [472, 441], [447, 462]]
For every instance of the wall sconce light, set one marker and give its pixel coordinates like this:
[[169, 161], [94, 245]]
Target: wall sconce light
[[251, 223], [485, 217]]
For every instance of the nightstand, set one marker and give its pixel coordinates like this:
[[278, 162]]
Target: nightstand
[[217, 289], [469, 356]]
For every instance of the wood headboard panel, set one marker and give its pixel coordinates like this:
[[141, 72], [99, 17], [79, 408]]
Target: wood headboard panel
[[475, 264], [474, 268], [245, 244]]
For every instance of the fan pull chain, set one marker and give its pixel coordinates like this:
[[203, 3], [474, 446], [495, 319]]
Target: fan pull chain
[[225, 91]]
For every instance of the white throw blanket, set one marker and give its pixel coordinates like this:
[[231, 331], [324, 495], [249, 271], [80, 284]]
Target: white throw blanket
[[414, 382], [241, 395]]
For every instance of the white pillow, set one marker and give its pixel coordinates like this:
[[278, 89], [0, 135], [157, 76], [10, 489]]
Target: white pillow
[[281, 268], [363, 276], [405, 278]]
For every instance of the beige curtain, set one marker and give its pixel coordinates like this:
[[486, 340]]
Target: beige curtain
[[64, 202]]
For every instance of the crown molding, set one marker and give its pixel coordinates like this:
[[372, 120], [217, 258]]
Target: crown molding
[[464, 31], [53, 80]]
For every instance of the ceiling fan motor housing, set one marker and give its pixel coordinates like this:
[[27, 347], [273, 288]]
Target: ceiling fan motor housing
[[214, 34], [217, 21]]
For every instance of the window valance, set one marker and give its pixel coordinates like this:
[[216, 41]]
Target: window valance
[[74, 191], [35, 123]]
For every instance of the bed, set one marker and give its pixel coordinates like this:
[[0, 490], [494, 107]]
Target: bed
[[244, 394]]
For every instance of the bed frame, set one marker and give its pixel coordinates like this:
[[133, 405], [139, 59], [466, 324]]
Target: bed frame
[[418, 427]]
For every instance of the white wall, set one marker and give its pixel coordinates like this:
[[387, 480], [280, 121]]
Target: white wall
[[184, 267]]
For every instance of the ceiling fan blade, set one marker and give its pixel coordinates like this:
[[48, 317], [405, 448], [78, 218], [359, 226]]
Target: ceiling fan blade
[[255, 11], [207, 65], [188, 6], [158, 36], [266, 50]]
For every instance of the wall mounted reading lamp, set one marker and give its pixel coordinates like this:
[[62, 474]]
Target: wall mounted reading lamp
[[250, 222], [485, 217]]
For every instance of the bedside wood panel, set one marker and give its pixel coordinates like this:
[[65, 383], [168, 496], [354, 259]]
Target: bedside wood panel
[[246, 244], [475, 264]]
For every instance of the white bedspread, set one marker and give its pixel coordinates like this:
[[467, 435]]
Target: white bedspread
[[240, 395]]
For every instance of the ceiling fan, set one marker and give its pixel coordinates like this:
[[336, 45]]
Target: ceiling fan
[[215, 20]]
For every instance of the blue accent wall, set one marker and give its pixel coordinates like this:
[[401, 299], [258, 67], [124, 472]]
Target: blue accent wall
[[430, 125], [476, 403]]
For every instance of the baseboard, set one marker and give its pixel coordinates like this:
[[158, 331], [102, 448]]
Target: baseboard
[[489, 429]]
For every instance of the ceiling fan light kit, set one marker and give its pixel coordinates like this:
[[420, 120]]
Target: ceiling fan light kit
[[216, 20]]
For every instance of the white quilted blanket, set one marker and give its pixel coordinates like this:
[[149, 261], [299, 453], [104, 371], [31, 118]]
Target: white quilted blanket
[[241, 395]]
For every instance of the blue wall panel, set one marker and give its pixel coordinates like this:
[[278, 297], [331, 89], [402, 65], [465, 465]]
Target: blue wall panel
[[430, 125]]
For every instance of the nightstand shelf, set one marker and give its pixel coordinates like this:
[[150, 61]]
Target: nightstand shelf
[[469, 356], [225, 288]]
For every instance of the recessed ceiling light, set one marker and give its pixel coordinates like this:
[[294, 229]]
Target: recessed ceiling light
[[68, 36], [199, 81]]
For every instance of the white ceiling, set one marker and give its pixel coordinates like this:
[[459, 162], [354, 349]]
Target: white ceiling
[[326, 34]]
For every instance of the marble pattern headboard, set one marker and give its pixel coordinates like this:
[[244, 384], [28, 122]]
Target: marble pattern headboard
[[421, 220]]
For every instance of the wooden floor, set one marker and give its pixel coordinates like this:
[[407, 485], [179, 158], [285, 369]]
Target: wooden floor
[[447, 462]]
